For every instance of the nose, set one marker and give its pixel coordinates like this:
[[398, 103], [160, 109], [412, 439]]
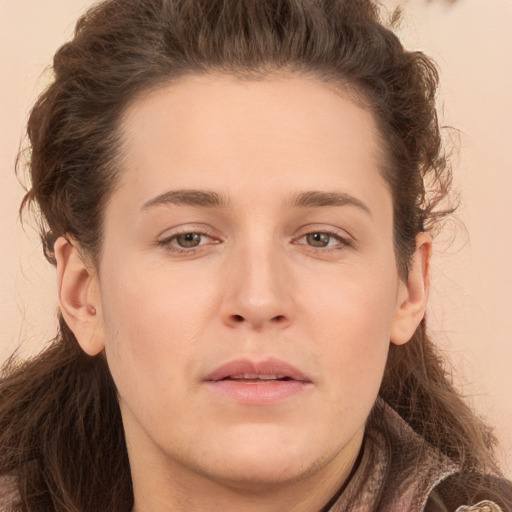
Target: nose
[[258, 290]]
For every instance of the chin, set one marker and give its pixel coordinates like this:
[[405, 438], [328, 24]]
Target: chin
[[251, 466], [256, 475]]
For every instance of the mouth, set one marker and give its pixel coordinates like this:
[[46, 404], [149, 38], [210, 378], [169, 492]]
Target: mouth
[[257, 382], [249, 370], [255, 378]]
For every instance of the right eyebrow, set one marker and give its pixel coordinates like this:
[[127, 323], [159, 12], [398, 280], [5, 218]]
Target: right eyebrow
[[190, 197]]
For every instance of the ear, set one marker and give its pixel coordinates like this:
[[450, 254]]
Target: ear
[[79, 296], [413, 293]]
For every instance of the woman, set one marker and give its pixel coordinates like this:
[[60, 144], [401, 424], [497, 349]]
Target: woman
[[235, 197]]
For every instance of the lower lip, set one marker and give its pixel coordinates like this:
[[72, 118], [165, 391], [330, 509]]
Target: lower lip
[[258, 393]]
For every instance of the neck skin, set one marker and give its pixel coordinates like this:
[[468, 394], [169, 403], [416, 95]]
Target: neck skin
[[169, 488]]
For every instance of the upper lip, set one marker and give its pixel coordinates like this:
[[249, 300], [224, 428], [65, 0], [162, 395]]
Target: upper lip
[[250, 369]]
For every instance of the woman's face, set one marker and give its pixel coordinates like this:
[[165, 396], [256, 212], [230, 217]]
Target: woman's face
[[248, 288]]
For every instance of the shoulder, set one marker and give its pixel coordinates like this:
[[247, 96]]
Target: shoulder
[[420, 478], [471, 492], [414, 467], [400, 472]]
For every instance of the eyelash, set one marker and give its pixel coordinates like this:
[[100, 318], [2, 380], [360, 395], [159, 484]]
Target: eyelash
[[166, 242], [343, 244]]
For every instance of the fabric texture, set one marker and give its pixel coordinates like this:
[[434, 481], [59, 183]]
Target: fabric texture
[[483, 506], [8, 493], [391, 447]]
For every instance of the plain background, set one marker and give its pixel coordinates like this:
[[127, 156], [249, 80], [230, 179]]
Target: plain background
[[471, 307]]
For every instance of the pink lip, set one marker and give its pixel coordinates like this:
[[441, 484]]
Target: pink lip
[[229, 381]]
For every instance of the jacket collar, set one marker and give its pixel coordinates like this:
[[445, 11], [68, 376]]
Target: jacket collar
[[398, 469]]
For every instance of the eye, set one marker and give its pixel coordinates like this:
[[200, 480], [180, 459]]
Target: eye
[[186, 242], [319, 239], [325, 240]]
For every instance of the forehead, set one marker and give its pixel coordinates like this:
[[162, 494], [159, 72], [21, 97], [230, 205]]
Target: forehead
[[217, 130]]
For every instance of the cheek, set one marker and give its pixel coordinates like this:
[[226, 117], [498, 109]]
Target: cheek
[[350, 322], [153, 322], [143, 298]]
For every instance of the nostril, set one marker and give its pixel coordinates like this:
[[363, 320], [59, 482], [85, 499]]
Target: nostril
[[239, 319]]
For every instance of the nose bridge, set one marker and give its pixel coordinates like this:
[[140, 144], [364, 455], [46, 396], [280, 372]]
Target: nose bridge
[[258, 291]]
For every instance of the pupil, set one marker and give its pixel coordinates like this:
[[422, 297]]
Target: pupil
[[189, 240], [318, 239]]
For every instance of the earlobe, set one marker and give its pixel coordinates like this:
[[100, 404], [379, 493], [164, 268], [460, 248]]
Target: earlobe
[[79, 297], [413, 294]]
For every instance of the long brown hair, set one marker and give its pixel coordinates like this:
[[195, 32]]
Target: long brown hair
[[61, 435]]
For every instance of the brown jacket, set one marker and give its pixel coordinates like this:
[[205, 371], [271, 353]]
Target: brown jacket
[[391, 447]]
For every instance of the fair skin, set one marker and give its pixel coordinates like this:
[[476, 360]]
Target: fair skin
[[285, 253]]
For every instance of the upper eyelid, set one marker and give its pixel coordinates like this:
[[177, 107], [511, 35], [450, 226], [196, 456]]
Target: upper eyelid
[[326, 231], [342, 239], [200, 229], [168, 243], [170, 238], [330, 230], [345, 239], [167, 238], [176, 235]]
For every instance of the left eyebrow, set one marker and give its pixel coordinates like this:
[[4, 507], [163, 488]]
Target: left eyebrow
[[318, 199]]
